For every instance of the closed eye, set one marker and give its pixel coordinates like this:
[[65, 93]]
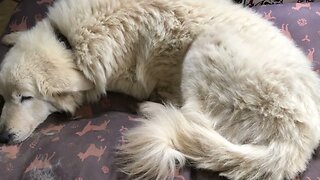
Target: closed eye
[[25, 98]]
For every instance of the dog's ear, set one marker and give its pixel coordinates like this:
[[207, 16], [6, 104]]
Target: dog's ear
[[11, 39], [65, 82]]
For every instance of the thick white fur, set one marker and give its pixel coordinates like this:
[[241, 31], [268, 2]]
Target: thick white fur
[[244, 100]]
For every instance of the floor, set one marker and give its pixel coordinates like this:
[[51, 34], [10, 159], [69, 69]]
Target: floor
[[6, 9]]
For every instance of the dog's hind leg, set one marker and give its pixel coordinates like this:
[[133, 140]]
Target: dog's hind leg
[[264, 119], [268, 134], [208, 149]]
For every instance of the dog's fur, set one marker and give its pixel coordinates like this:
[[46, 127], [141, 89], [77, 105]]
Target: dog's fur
[[242, 99]]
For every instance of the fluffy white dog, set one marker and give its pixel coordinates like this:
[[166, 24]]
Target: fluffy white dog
[[241, 98]]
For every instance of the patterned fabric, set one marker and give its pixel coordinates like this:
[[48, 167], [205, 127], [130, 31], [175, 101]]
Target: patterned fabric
[[252, 3], [299, 22], [82, 147]]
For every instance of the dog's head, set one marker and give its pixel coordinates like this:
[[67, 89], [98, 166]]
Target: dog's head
[[37, 77]]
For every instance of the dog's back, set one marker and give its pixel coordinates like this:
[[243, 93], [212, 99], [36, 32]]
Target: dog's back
[[137, 47], [249, 109]]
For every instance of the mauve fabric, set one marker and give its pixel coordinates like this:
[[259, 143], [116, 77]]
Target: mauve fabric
[[252, 3], [82, 147]]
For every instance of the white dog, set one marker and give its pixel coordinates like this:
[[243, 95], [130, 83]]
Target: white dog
[[241, 98]]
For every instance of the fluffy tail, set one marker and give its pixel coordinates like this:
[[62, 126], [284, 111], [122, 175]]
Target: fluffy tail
[[149, 151], [155, 149]]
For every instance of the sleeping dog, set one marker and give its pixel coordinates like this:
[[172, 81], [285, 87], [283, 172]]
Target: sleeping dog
[[239, 97]]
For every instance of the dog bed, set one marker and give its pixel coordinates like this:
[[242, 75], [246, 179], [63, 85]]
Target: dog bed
[[82, 147]]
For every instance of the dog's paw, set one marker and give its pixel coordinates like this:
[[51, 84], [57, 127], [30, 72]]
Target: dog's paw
[[149, 109]]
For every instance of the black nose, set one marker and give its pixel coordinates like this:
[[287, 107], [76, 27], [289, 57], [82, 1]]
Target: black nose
[[5, 137]]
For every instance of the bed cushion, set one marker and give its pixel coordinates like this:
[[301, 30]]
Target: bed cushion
[[82, 147], [299, 22], [252, 3]]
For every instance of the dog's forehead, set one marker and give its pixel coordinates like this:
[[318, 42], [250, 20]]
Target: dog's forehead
[[16, 64], [7, 88], [13, 83], [9, 65]]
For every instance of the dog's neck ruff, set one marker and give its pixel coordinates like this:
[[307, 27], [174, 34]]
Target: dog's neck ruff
[[62, 39]]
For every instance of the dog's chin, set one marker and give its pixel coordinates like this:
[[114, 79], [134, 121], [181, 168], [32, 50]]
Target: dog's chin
[[17, 139]]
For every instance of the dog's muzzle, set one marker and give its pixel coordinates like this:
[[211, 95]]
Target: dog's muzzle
[[5, 136]]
